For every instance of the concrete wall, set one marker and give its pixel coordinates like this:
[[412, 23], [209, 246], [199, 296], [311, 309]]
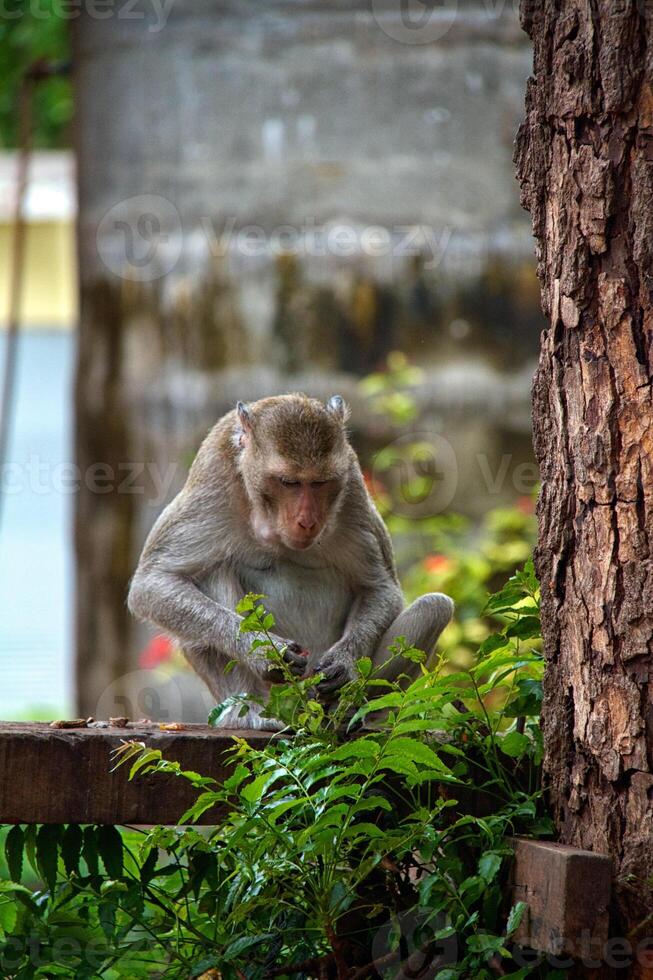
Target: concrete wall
[[275, 195], [230, 136]]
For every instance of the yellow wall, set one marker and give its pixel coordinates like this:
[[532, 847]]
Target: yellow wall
[[49, 297]]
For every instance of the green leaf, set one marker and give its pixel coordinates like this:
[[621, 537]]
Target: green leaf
[[418, 752], [14, 887], [525, 627], [71, 848], [47, 852], [216, 714], [489, 865], [199, 807], [359, 748], [90, 850], [30, 846], [363, 829], [509, 658], [205, 964], [393, 700], [253, 791], [52, 970], [14, 852], [515, 917], [110, 848], [248, 603], [364, 666], [232, 782], [400, 765], [8, 916], [495, 641], [243, 943], [514, 744], [372, 802], [146, 760], [485, 942], [107, 918], [148, 866], [473, 888], [528, 701]]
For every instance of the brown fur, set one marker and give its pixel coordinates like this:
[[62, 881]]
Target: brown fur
[[320, 553]]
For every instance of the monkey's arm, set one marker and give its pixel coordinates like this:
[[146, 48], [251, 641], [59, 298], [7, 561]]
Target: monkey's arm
[[378, 599], [183, 549], [172, 601], [372, 612]]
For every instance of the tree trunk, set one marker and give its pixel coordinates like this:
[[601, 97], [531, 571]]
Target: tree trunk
[[585, 164]]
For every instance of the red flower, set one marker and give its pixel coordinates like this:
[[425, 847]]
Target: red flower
[[157, 651], [439, 564], [526, 505]]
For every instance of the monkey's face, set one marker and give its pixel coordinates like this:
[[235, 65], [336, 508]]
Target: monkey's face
[[293, 457], [293, 508]]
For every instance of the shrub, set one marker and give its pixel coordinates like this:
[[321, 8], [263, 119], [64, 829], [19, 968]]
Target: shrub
[[360, 836]]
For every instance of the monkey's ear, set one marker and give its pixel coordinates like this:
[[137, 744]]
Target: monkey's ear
[[336, 406], [244, 429], [244, 416]]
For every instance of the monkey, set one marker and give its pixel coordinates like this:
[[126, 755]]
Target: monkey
[[275, 503]]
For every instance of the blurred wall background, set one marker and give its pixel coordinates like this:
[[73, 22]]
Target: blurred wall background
[[277, 196]]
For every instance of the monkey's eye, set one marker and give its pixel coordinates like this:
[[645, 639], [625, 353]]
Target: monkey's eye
[[319, 483], [288, 483]]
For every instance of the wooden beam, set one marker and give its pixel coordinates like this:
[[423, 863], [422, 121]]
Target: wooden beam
[[64, 775], [568, 894]]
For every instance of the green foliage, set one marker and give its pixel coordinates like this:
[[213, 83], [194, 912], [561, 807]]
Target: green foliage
[[440, 551], [361, 833], [450, 555], [31, 31], [389, 391]]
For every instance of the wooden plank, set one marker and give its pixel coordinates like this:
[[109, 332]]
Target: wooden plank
[[568, 894], [64, 776]]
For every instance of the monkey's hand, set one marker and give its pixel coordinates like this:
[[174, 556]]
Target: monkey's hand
[[294, 657], [337, 667]]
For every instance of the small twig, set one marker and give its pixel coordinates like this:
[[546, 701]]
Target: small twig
[[427, 950], [338, 953], [495, 963]]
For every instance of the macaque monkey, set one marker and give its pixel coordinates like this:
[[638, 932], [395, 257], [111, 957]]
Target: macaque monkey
[[275, 504]]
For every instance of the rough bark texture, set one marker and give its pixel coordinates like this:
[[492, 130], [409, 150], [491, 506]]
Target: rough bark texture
[[585, 163]]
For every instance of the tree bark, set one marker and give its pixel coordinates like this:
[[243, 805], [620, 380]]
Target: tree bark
[[585, 163]]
